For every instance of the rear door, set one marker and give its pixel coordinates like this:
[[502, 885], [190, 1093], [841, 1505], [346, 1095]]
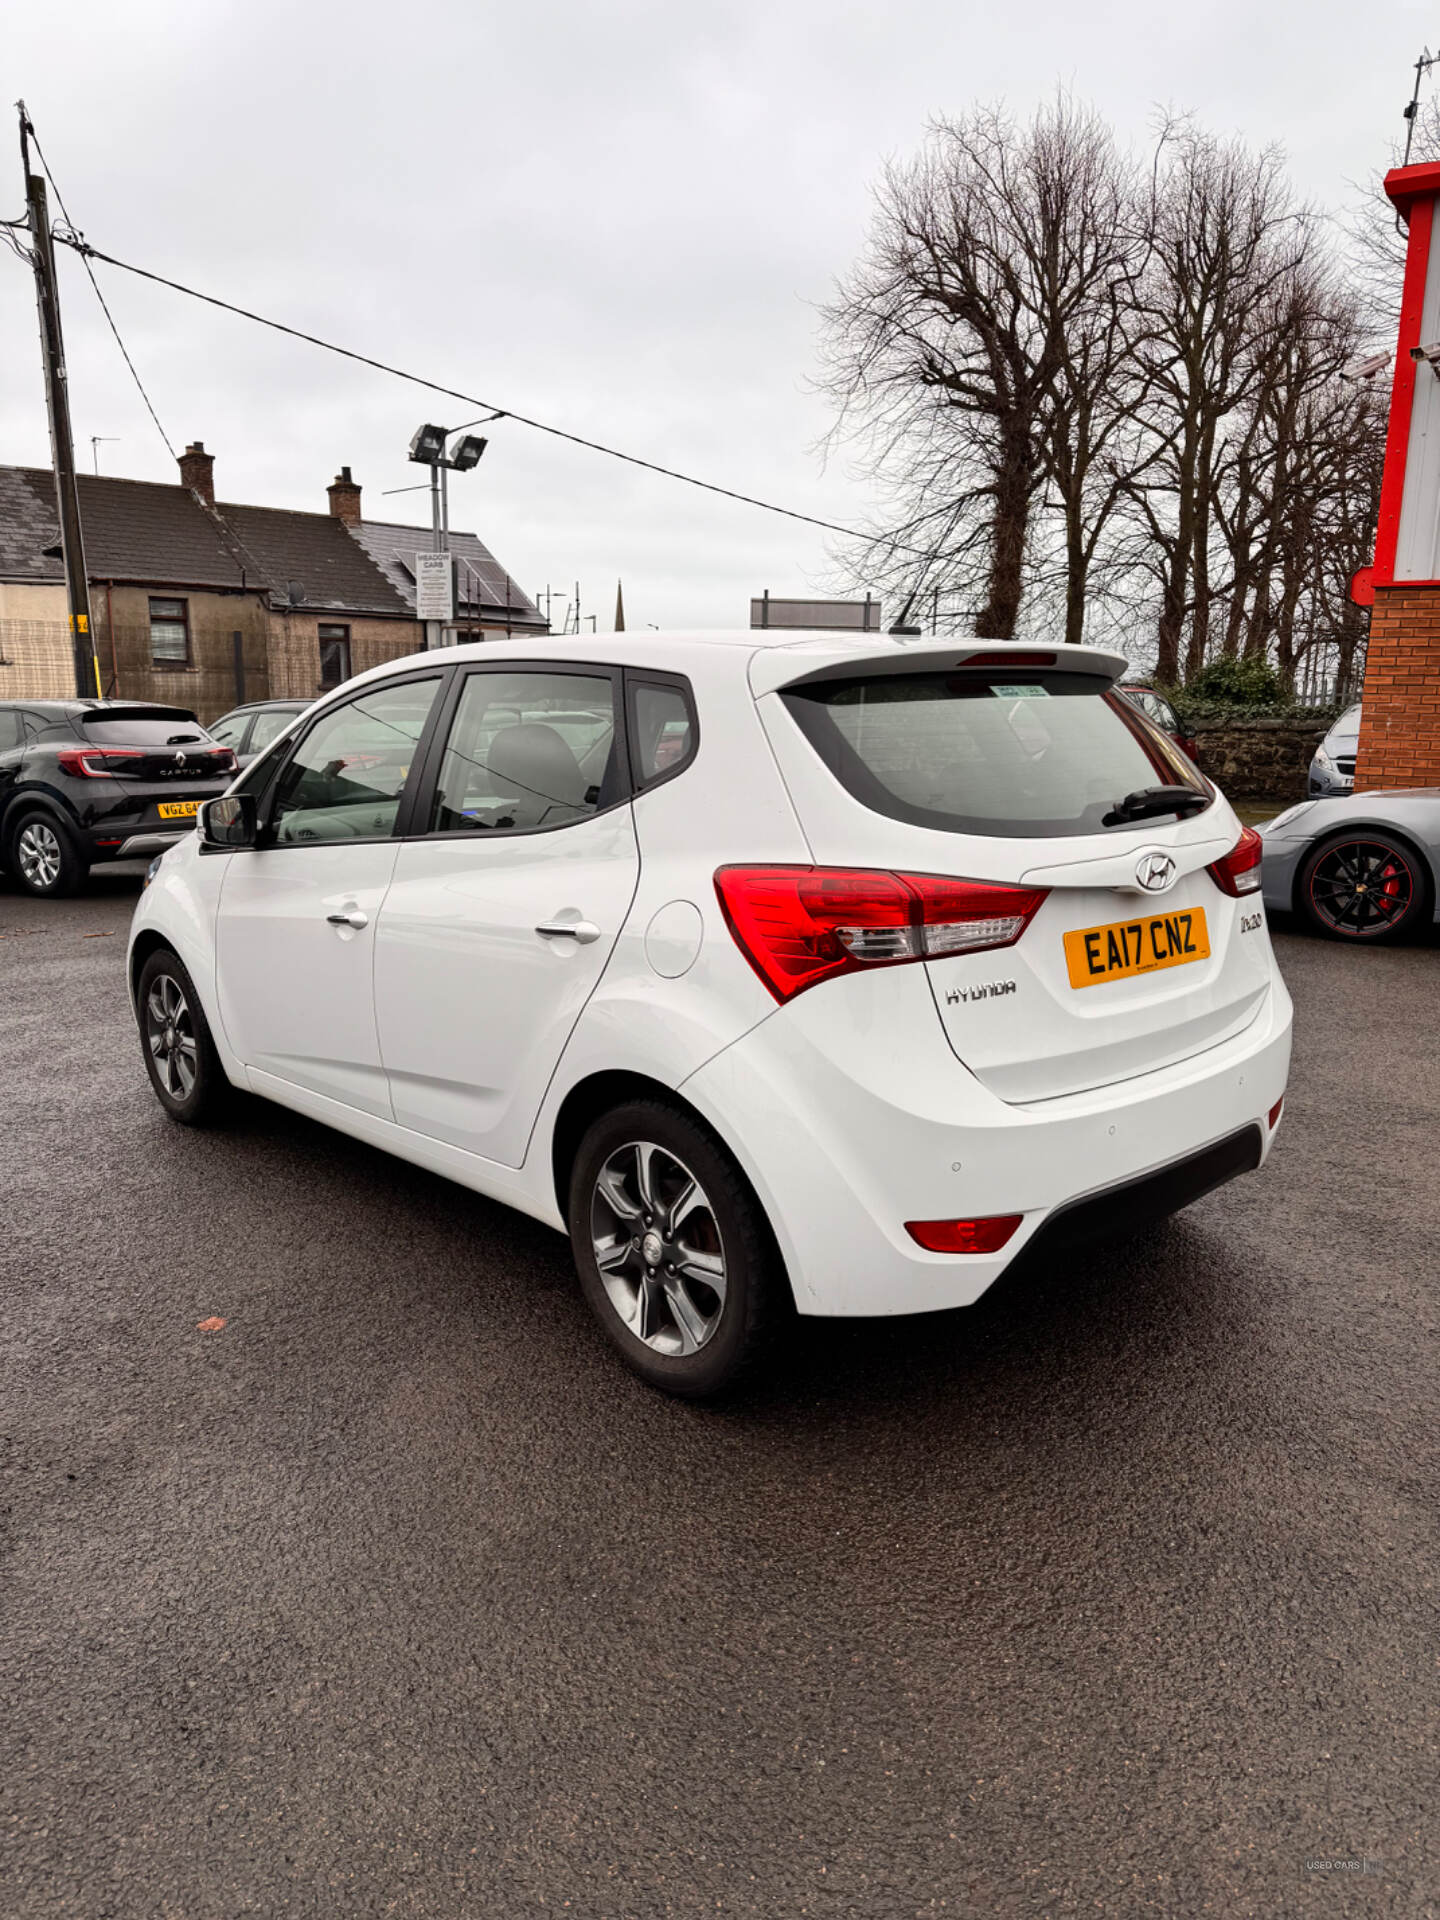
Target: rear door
[[501, 916], [1135, 959]]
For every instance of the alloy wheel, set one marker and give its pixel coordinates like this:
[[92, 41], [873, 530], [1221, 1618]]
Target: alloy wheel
[[170, 1036], [658, 1248], [1361, 887], [39, 853]]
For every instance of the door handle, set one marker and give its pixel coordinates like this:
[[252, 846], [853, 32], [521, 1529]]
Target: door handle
[[582, 930], [354, 918]]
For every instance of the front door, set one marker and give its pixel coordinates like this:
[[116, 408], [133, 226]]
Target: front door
[[501, 915], [295, 934]]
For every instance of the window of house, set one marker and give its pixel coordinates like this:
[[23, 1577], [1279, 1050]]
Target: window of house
[[170, 633], [334, 655]]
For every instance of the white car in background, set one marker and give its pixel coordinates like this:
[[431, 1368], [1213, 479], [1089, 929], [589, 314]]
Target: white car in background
[[829, 971]]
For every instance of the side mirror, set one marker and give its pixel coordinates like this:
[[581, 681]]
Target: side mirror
[[230, 821]]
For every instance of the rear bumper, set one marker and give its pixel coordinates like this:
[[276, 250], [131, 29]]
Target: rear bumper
[[845, 1138], [140, 845]]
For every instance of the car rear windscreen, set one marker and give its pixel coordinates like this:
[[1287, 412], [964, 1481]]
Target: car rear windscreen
[[143, 730], [1011, 753]]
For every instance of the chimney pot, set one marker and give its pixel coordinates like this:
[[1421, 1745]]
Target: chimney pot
[[344, 495], [197, 471]]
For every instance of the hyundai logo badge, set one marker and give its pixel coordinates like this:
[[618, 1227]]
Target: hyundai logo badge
[[1155, 871]]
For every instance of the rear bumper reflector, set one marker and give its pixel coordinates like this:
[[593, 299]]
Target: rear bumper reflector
[[964, 1236], [1275, 1111]]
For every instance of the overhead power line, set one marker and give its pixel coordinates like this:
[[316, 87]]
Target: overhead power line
[[80, 245], [83, 251]]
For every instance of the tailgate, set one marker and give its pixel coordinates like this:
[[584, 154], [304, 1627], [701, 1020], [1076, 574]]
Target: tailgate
[[1103, 985]]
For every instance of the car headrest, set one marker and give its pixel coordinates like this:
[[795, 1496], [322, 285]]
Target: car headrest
[[536, 760]]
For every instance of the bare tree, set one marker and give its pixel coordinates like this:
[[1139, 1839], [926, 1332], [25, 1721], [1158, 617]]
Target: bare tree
[[1227, 239], [979, 353]]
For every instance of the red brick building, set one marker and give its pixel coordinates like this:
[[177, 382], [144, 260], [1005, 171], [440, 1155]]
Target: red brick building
[[1400, 722]]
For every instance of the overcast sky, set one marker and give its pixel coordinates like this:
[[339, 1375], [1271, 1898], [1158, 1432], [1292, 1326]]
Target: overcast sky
[[617, 217]]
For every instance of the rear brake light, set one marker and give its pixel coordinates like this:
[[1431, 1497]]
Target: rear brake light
[[90, 763], [964, 1236], [800, 925], [1009, 659], [1239, 872]]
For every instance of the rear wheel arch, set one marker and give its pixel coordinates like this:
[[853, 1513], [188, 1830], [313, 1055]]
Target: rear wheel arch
[[586, 1101], [598, 1094]]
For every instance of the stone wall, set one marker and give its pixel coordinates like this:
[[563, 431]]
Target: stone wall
[[1268, 759]]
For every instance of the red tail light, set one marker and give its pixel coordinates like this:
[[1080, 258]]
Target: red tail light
[[1239, 872], [964, 1236], [800, 925], [94, 763]]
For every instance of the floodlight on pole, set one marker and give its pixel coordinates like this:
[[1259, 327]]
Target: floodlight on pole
[[428, 445], [466, 452]]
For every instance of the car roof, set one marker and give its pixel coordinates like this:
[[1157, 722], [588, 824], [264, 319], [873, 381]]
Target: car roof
[[774, 657]]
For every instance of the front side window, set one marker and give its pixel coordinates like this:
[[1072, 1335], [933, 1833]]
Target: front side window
[[1030, 754], [345, 779], [334, 655], [170, 633], [526, 750]]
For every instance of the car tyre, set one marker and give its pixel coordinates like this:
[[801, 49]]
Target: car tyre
[[44, 856], [1365, 886], [180, 1055], [674, 1253]]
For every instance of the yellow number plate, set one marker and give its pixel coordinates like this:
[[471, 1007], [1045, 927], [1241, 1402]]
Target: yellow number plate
[[1129, 947], [178, 809]]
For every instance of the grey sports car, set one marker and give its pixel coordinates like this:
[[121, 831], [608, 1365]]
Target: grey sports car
[[1359, 866]]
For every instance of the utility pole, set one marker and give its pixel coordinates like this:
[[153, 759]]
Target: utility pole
[[62, 442]]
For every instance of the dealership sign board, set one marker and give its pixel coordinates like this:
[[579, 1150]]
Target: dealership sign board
[[434, 587]]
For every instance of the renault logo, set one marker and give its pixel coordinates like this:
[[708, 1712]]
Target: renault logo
[[179, 759], [1155, 871]]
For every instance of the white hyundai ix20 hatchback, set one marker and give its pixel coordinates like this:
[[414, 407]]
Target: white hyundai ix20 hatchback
[[833, 970]]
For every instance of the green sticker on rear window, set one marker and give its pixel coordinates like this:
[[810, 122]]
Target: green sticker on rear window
[[1020, 693]]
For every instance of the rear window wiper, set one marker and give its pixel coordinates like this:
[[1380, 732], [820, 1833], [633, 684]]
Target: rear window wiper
[[1147, 801]]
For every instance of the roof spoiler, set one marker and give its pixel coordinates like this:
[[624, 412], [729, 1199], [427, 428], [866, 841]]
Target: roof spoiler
[[779, 667]]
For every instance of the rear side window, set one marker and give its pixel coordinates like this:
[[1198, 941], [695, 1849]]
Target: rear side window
[[1020, 754], [527, 750], [11, 732], [270, 723], [662, 729], [231, 730]]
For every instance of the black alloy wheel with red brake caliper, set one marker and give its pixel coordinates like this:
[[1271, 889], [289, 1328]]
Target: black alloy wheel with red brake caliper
[[1363, 887]]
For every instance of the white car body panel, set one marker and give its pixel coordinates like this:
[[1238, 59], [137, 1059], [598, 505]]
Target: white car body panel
[[473, 1005], [869, 1100], [296, 995]]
